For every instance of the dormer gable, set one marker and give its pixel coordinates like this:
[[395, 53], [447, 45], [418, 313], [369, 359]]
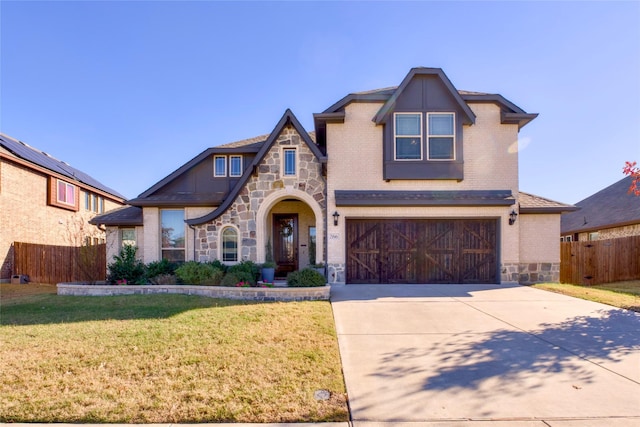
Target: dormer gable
[[423, 124], [426, 89]]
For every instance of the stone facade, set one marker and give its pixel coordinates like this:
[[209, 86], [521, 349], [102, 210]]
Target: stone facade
[[270, 179], [529, 273], [320, 293]]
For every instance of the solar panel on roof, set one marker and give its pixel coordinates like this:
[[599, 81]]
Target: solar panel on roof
[[40, 158]]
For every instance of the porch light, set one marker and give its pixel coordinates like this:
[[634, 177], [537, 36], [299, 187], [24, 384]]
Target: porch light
[[512, 217], [336, 215]]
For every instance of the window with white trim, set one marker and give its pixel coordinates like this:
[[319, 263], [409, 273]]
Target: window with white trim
[[235, 165], [229, 238], [66, 193], [127, 237], [220, 166], [289, 162], [172, 234], [441, 136], [408, 136]]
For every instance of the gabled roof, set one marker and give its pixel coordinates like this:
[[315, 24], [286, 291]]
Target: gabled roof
[[530, 203], [610, 207], [510, 113], [423, 71], [288, 118], [20, 150], [123, 216]]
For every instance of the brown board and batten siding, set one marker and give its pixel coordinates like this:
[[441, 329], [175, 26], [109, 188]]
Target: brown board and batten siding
[[422, 251]]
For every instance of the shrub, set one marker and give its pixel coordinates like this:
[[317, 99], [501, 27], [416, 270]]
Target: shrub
[[127, 268], [195, 273], [233, 278], [305, 278], [164, 279], [219, 265], [157, 268], [251, 269]]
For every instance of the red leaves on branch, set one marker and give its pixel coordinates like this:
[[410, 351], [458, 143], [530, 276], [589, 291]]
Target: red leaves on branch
[[633, 171]]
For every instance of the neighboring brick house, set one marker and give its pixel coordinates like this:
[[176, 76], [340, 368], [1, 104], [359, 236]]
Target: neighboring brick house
[[411, 184], [610, 213], [46, 201]]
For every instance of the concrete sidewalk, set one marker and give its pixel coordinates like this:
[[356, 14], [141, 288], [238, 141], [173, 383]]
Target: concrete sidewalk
[[471, 355]]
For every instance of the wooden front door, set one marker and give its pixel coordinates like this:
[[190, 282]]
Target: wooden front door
[[285, 243], [422, 251]]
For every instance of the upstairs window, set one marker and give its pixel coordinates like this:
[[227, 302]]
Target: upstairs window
[[66, 193], [220, 166], [408, 136], [289, 161], [441, 136], [235, 166]]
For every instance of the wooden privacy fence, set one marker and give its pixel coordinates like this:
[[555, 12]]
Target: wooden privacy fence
[[600, 261], [55, 264]]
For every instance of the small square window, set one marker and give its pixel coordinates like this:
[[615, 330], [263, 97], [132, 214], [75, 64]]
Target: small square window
[[289, 162], [220, 166], [235, 166], [66, 193]]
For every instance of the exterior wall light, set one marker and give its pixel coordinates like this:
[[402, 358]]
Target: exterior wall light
[[512, 217], [336, 215]]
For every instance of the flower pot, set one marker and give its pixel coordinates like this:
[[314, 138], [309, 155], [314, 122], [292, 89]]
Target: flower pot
[[268, 274]]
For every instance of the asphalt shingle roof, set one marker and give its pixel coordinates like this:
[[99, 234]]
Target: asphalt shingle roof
[[610, 207], [530, 203]]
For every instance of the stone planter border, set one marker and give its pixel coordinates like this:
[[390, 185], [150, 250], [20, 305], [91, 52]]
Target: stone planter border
[[321, 293]]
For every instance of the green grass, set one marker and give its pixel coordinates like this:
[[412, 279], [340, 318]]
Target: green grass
[[619, 294], [166, 358]]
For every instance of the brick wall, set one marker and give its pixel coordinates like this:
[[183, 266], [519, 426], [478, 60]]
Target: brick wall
[[26, 217]]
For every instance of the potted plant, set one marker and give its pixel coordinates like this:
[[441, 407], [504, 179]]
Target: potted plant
[[269, 266], [319, 268]]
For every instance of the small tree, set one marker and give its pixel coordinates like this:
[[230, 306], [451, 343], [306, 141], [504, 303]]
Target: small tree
[[126, 268], [630, 169]]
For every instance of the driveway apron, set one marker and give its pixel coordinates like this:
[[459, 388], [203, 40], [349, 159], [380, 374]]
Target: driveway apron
[[485, 352]]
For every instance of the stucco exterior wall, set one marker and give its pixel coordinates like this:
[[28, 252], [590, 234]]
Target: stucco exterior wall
[[25, 215]]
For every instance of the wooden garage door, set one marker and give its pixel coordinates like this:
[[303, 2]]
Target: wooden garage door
[[421, 251]]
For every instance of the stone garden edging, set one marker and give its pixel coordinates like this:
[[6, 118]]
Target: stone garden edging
[[320, 293]]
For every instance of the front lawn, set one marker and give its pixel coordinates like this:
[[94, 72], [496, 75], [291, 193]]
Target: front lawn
[[619, 294], [166, 358]]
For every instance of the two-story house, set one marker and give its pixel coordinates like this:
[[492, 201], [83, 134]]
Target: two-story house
[[46, 201], [412, 184]]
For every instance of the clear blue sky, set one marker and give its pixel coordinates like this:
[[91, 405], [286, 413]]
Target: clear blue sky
[[129, 91]]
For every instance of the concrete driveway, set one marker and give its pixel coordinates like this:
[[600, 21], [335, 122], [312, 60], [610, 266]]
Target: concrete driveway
[[458, 355]]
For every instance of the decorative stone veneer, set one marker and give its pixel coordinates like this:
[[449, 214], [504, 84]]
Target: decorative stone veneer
[[269, 179], [320, 293], [528, 273]]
